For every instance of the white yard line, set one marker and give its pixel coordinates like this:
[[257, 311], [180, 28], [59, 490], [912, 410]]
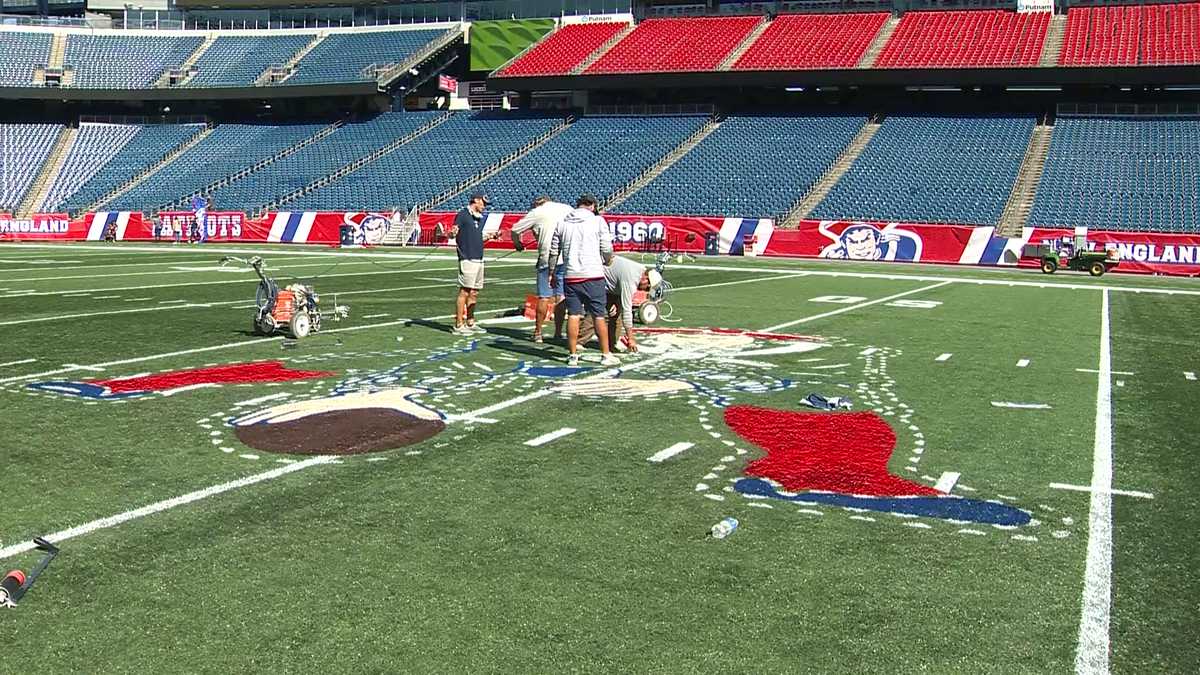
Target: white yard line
[[1092, 654], [670, 452], [1087, 488], [1022, 363], [1021, 406], [16, 363], [1189, 375], [947, 481], [546, 438], [944, 357], [223, 303], [375, 316], [209, 262], [244, 280], [157, 507], [1094, 371], [850, 308]]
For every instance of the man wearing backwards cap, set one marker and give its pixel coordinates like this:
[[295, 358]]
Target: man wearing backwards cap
[[468, 238], [543, 218], [585, 242]]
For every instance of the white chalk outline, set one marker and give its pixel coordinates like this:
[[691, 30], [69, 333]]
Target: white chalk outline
[[667, 453], [1087, 488], [552, 436]]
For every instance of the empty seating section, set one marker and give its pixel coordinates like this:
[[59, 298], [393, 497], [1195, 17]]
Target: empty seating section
[[94, 146], [1125, 174], [564, 49], [437, 161], [1132, 35], [800, 41], [125, 62], [676, 44], [980, 38], [227, 150], [343, 146], [346, 57], [20, 53], [233, 60], [23, 150], [148, 146], [600, 155], [933, 170], [748, 166]]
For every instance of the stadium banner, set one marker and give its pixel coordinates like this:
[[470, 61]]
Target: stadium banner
[[220, 225], [39, 226], [1139, 252]]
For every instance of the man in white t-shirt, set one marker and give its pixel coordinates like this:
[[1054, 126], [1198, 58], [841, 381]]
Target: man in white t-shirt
[[542, 220]]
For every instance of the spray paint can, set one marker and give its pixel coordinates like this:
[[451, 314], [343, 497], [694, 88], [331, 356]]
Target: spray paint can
[[9, 586]]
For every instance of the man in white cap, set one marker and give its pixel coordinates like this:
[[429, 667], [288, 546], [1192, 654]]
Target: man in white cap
[[622, 278]]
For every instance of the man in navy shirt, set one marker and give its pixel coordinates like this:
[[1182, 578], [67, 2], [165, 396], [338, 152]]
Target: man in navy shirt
[[469, 238]]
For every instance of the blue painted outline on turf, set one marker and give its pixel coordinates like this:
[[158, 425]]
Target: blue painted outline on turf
[[945, 508]]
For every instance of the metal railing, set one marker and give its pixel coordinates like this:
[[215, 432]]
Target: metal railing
[[1128, 110], [645, 110]]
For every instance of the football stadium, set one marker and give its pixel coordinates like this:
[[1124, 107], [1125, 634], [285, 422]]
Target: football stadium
[[829, 336]]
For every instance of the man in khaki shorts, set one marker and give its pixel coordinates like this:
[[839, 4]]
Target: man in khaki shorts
[[468, 239]]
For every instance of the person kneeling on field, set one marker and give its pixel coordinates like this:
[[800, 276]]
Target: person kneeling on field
[[543, 219], [585, 243], [468, 238], [622, 278]]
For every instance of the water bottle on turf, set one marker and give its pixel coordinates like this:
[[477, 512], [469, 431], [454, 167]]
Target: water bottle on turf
[[724, 528]]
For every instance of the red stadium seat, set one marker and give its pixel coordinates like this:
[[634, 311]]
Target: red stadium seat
[[676, 45], [983, 38], [1132, 35], [563, 50], [801, 41]]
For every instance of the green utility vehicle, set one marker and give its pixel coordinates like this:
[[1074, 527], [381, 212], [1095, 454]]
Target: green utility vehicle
[[1071, 255]]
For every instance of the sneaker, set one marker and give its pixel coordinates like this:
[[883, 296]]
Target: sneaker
[[537, 338], [476, 329], [573, 360], [463, 331], [610, 360]]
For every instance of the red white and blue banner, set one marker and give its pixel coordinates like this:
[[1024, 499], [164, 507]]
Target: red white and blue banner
[[1139, 252]]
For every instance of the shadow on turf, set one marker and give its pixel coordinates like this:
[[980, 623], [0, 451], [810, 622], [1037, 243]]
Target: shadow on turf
[[505, 339]]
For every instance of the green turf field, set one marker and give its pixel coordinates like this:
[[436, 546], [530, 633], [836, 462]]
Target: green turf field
[[534, 533]]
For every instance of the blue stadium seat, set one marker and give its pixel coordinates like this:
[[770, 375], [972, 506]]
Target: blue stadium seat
[[1121, 174], [23, 150], [227, 150], [148, 146], [933, 170], [600, 155], [125, 62], [21, 53], [348, 143], [233, 60], [440, 159], [343, 57], [748, 166], [95, 145]]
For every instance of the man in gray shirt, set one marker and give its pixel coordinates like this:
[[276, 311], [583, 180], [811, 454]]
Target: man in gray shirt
[[622, 278]]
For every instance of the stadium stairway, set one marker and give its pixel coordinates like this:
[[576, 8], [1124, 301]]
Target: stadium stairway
[[596, 55], [497, 167], [50, 170], [662, 165], [58, 50], [821, 188], [150, 170], [351, 167], [444, 40], [268, 75], [1020, 202], [187, 66], [885, 34], [746, 43], [1052, 48], [183, 201]]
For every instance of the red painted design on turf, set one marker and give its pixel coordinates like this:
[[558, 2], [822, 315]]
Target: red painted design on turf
[[236, 373], [836, 452]]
